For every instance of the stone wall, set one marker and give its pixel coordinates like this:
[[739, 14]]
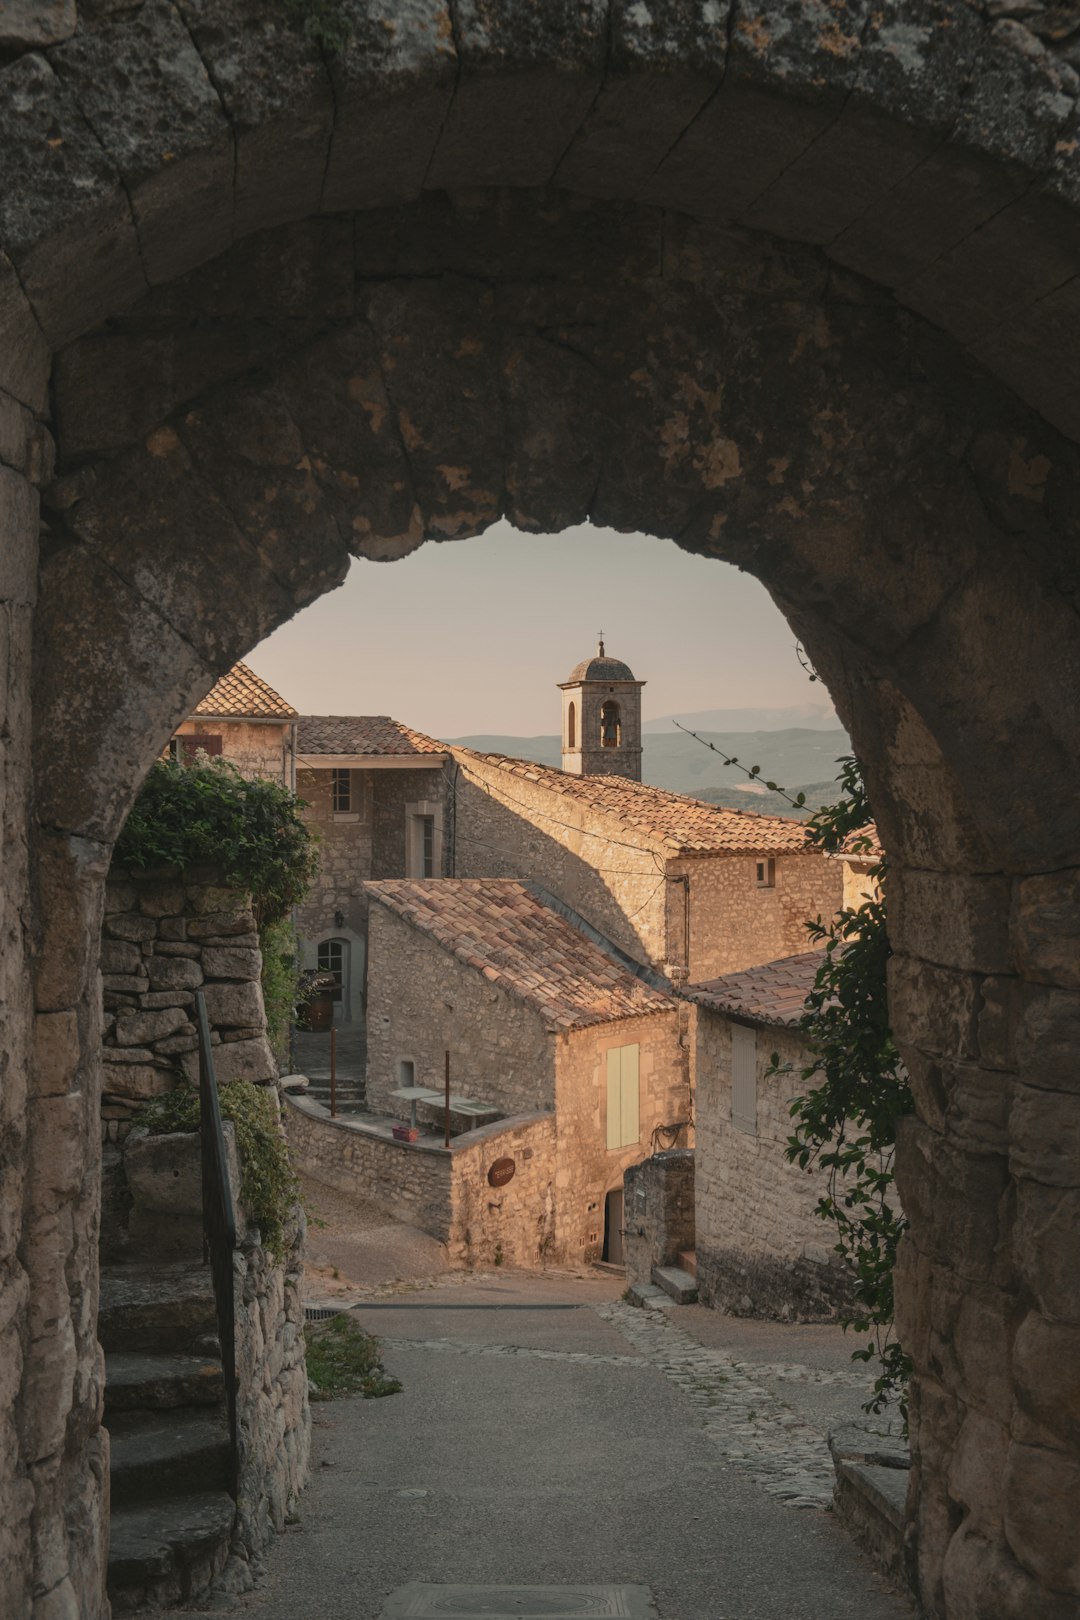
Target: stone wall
[[658, 1212], [257, 748], [734, 924], [443, 1191], [422, 1002], [165, 936], [761, 1250], [507, 826], [588, 1169]]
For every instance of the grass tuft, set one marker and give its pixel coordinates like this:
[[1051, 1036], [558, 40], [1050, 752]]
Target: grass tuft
[[344, 1360]]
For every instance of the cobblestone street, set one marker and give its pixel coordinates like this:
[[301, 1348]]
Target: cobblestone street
[[549, 1432]]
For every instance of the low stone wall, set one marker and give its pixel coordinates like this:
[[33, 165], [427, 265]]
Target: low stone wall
[[658, 1212], [273, 1417], [166, 935], [443, 1191]]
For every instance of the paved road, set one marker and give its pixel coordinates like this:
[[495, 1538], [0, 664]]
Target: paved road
[[549, 1434]]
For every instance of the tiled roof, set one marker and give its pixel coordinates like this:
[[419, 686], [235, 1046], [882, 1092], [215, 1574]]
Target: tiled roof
[[774, 993], [500, 928], [672, 821], [361, 734], [241, 693]]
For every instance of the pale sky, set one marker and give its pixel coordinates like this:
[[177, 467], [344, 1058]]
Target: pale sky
[[471, 636]]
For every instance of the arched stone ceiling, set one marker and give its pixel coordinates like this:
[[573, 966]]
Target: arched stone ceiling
[[930, 145]]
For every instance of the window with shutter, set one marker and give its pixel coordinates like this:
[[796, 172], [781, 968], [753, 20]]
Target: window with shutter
[[744, 1079], [623, 1086], [190, 744]]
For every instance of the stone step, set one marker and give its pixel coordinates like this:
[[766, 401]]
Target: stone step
[[167, 1308], [154, 1455], [648, 1294], [677, 1283], [134, 1381], [688, 1261], [164, 1553]]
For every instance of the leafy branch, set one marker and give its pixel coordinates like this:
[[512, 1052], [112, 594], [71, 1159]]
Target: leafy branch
[[752, 772]]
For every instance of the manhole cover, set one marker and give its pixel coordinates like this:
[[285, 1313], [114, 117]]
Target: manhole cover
[[422, 1602]]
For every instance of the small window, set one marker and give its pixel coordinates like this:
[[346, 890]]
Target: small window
[[744, 1079], [341, 791], [423, 839], [332, 959], [191, 743], [427, 846], [571, 726], [623, 1122], [765, 874], [406, 1072], [610, 725]]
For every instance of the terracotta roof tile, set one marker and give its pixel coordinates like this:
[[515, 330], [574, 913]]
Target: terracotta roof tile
[[500, 928], [243, 693], [361, 734], [774, 993], [673, 822]]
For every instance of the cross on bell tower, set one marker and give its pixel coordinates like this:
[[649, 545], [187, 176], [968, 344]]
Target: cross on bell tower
[[601, 733]]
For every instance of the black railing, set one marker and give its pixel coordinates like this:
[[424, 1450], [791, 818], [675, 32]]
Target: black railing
[[219, 1223]]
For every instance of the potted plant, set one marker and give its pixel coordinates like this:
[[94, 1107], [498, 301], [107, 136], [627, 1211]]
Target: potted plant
[[405, 1133], [315, 1000]]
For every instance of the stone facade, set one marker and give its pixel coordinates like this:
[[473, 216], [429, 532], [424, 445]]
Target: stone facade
[[255, 747], [165, 936], [444, 1191], [373, 839], [881, 428], [690, 916], [658, 1212], [423, 1000], [601, 719], [761, 1250]]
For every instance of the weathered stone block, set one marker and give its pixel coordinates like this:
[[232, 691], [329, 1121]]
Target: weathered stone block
[[144, 1028], [1046, 1368], [28, 24], [174, 973], [1044, 1240], [1042, 1510], [239, 1005], [1044, 1136], [1048, 1038], [223, 923], [152, 999], [1046, 928], [57, 1053], [130, 926], [137, 1082], [239, 1060], [231, 962], [120, 956], [161, 899], [129, 983]]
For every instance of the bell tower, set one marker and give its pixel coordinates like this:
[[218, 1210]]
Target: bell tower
[[601, 722]]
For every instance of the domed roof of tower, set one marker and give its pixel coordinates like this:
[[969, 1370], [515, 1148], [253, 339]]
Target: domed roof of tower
[[600, 668]]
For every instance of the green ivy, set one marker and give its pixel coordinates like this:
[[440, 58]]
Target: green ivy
[[846, 1124], [281, 984], [204, 813], [269, 1189]]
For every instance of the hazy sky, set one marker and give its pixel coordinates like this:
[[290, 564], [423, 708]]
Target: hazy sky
[[472, 635]]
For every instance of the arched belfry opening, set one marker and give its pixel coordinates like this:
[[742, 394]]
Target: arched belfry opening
[[245, 336]]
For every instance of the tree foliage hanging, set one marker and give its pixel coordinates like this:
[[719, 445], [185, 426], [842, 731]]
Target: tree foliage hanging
[[204, 813]]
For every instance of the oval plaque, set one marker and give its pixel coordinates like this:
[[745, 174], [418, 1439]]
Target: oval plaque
[[501, 1172]]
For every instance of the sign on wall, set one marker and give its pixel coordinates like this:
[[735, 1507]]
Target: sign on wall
[[501, 1172]]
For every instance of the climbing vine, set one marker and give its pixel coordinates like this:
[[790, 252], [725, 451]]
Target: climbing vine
[[845, 1124], [268, 1186]]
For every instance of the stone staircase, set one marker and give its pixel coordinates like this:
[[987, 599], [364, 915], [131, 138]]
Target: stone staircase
[[351, 1094], [172, 1514]]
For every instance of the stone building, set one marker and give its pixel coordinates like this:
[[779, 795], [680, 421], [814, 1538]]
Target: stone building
[[601, 718], [376, 793], [540, 1015], [761, 1250], [694, 889], [244, 720]]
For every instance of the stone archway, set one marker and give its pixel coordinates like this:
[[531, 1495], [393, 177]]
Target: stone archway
[[564, 341]]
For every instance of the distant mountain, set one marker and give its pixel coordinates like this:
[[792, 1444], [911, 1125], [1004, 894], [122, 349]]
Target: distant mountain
[[810, 716], [797, 758]]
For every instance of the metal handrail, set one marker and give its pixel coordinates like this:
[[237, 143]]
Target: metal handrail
[[219, 1223]]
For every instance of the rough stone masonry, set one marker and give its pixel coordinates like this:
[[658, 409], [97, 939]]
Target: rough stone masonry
[[795, 288]]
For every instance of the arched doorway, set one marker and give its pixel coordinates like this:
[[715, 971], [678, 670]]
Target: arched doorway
[[668, 360]]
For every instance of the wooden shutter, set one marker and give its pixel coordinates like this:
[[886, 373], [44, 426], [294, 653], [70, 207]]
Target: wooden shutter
[[191, 743], [744, 1079], [623, 1115]]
